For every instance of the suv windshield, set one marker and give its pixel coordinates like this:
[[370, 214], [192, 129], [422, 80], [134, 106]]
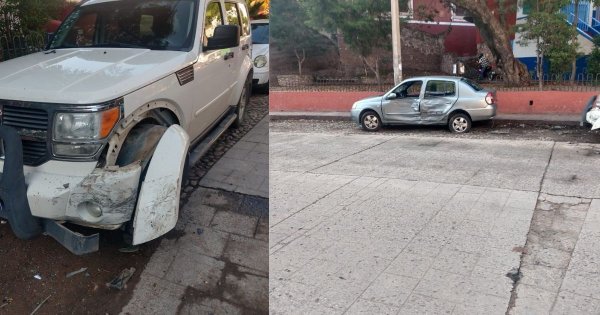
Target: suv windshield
[[148, 24], [260, 33]]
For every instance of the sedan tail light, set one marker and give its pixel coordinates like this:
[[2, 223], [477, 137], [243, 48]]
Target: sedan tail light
[[489, 98]]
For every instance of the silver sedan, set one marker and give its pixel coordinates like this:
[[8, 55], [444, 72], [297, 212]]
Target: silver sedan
[[432, 100]]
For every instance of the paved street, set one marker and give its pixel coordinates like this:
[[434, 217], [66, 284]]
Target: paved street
[[394, 224]]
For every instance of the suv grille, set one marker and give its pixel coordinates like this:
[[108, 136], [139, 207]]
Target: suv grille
[[32, 124]]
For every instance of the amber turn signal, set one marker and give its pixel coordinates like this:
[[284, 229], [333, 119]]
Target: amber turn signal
[[109, 120]]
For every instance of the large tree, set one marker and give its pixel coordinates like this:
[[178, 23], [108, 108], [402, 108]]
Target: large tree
[[493, 27]]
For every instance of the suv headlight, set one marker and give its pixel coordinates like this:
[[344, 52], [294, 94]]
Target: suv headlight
[[260, 61], [80, 133]]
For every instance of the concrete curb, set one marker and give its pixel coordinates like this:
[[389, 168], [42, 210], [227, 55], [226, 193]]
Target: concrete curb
[[345, 116]]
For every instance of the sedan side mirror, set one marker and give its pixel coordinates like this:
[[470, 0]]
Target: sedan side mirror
[[392, 96], [225, 36]]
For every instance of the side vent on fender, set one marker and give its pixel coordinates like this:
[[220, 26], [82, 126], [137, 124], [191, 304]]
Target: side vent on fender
[[185, 75]]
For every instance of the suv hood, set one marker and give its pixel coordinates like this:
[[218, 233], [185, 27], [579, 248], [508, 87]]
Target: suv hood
[[86, 76]]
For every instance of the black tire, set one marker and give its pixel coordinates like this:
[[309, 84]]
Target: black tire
[[243, 103], [460, 123], [370, 121], [135, 150]]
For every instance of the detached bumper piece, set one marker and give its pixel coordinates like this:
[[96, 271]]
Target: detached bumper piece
[[76, 243], [13, 191], [14, 206]]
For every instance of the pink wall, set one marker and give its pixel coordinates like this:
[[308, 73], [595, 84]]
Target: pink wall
[[546, 102]]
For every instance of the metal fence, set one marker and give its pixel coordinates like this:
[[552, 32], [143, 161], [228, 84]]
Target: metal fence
[[551, 82], [21, 44]]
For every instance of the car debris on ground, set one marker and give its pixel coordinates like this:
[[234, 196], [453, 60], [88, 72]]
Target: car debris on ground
[[120, 281], [70, 274], [40, 305]]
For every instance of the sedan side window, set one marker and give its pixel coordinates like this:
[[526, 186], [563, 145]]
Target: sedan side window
[[409, 89], [438, 88]]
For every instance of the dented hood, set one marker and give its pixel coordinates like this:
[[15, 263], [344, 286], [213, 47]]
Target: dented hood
[[86, 76]]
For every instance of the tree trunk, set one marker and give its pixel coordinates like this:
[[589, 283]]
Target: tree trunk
[[300, 59], [375, 69], [575, 21], [497, 38]]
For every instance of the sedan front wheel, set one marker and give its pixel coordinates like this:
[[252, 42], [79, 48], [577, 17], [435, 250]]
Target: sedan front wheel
[[370, 121]]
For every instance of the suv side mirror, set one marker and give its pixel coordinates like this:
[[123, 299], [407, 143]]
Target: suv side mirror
[[225, 36]]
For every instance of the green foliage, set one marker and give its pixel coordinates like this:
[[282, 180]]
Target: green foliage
[[365, 23], [27, 15], [290, 33], [593, 66], [258, 9], [554, 37]]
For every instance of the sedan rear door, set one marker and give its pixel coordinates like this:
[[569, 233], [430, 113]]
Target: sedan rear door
[[440, 96]]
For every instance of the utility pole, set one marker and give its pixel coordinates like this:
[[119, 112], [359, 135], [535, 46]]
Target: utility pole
[[396, 42]]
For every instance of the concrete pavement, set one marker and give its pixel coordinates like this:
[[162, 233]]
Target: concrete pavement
[[388, 224], [216, 259]]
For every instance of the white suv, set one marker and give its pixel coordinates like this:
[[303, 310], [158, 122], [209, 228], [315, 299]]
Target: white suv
[[260, 54], [98, 129]]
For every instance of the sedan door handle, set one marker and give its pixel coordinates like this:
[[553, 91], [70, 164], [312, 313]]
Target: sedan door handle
[[246, 47], [228, 56]]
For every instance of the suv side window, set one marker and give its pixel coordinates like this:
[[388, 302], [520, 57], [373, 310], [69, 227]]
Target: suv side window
[[245, 19], [409, 89], [438, 88], [233, 16], [213, 18]]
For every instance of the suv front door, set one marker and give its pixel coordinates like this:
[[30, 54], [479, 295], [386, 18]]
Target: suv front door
[[440, 96], [212, 75], [402, 105]]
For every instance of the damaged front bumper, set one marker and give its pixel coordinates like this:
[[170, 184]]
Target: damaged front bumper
[[37, 199]]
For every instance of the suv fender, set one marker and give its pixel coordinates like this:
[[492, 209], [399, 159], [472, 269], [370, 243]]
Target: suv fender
[[158, 203]]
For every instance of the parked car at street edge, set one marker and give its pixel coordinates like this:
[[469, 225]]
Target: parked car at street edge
[[260, 54], [431, 100], [590, 116], [99, 129]]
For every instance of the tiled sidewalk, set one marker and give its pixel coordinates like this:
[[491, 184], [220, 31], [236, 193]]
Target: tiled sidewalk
[[245, 167]]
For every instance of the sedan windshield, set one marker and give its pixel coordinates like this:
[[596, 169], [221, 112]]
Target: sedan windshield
[[148, 24], [260, 33]]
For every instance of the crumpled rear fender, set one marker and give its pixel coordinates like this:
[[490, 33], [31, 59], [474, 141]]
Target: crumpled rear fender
[[157, 209]]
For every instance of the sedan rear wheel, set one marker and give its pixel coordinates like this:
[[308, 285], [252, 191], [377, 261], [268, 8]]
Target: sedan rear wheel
[[459, 123], [370, 121]]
